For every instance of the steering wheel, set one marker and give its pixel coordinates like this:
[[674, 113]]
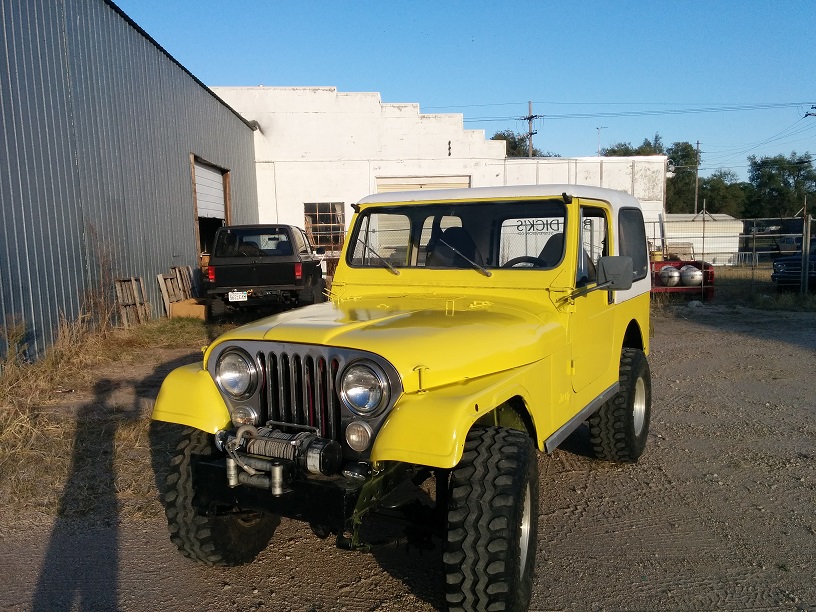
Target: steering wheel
[[537, 262]]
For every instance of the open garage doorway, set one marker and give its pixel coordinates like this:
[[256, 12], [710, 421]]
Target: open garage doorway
[[211, 201]]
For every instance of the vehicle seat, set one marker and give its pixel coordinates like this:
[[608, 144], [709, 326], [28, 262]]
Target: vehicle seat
[[440, 255], [553, 250], [249, 247]]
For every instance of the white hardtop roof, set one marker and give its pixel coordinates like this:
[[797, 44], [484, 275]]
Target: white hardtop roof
[[618, 199]]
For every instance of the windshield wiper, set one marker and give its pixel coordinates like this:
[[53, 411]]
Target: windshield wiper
[[379, 257], [476, 266]]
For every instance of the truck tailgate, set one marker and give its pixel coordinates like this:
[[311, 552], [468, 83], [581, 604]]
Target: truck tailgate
[[238, 272]]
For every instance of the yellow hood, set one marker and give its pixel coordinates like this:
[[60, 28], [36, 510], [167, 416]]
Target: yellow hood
[[449, 339]]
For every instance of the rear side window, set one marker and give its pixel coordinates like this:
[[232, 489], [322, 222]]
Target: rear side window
[[632, 235]]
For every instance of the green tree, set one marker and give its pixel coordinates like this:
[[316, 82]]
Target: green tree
[[680, 187], [780, 184], [517, 145], [619, 149], [625, 149], [722, 192]]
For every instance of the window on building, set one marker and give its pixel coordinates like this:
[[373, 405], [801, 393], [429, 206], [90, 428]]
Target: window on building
[[325, 225]]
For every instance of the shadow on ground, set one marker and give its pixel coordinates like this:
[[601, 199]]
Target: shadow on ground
[[80, 570]]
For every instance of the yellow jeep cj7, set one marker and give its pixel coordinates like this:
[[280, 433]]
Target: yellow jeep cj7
[[465, 329]]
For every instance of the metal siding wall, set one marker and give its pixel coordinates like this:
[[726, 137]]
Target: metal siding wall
[[99, 125], [39, 196]]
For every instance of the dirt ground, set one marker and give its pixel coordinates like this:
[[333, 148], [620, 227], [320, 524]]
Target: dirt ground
[[718, 514]]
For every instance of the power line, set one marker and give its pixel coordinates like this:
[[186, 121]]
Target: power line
[[606, 104], [649, 112], [776, 138]]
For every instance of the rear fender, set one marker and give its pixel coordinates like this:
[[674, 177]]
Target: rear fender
[[188, 396]]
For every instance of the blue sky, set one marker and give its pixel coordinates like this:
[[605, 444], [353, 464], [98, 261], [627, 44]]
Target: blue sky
[[631, 68]]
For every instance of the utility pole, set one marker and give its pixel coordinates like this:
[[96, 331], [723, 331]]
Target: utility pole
[[696, 177], [529, 119], [603, 127], [803, 286]]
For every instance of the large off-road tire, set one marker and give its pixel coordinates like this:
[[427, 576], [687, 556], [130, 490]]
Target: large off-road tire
[[216, 310], [226, 538], [618, 431], [492, 522], [313, 293]]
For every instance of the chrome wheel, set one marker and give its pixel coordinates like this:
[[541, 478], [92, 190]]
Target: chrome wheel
[[639, 406]]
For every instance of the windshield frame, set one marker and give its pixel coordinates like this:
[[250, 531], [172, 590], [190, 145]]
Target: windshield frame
[[485, 220]]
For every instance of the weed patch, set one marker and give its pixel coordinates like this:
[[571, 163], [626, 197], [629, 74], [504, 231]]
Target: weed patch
[[81, 458]]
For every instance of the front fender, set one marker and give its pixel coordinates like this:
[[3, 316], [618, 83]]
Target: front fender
[[429, 428], [188, 396]]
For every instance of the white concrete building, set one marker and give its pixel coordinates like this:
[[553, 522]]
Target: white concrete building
[[319, 150]]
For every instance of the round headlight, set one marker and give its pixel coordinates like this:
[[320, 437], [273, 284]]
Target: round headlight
[[244, 415], [364, 388], [236, 373], [358, 435]]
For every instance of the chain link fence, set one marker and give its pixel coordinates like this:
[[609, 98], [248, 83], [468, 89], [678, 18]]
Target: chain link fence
[[743, 253]]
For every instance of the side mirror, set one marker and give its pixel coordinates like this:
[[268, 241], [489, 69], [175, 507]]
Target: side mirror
[[615, 273]]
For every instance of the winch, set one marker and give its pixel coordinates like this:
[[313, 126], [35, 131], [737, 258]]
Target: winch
[[265, 457]]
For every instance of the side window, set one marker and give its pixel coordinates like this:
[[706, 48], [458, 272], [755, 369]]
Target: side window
[[300, 243], [632, 237], [594, 244], [306, 247]]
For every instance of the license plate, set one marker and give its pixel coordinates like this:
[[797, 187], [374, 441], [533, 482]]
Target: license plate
[[237, 296]]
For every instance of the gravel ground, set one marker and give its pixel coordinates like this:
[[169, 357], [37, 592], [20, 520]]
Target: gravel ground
[[718, 514]]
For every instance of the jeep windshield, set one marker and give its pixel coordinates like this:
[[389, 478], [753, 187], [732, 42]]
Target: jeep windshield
[[252, 242], [478, 235]]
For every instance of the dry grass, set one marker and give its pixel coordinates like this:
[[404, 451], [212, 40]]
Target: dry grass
[[82, 458]]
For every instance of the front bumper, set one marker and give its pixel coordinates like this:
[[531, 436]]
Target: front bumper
[[329, 502], [792, 278]]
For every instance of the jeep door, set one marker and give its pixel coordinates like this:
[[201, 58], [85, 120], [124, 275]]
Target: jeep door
[[592, 321]]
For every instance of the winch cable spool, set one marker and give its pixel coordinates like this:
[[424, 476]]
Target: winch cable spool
[[262, 445], [275, 443]]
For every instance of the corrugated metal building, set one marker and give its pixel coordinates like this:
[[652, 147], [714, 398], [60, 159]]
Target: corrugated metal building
[[114, 159]]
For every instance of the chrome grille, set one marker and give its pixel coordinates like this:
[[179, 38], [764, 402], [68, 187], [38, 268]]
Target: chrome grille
[[299, 389]]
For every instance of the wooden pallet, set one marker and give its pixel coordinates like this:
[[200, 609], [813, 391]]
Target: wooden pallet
[[177, 293], [184, 276], [134, 309]]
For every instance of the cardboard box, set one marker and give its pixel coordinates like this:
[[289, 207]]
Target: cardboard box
[[188, 308]]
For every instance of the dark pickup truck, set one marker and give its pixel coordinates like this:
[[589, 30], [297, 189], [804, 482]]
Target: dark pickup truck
[[254, 266], [787, 270]]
